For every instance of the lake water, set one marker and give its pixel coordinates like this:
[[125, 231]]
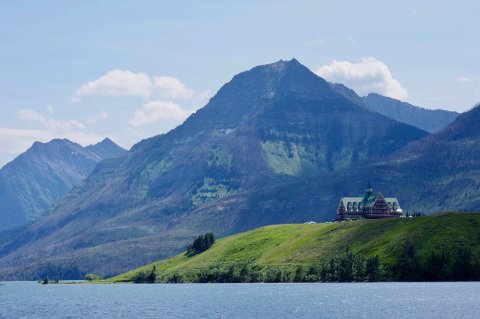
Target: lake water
[[318, 300]]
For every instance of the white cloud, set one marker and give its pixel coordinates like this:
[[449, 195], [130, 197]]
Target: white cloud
[[367, 76], [97, 117], [125, 82], [154, 111], [15, 141], [50, 109], [318, 42], [49, 123], [139, 135], [202, 98], [118, 83], [351, 39], [463, 79], [30, 115], [171, 88], [164, 95]]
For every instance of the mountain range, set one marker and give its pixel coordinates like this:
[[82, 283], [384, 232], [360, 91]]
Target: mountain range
[[45, 172], [428, 120], [277, 144]]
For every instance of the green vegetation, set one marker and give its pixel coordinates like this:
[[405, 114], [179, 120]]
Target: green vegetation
[[220, 158], [45, 281], [439, 247], [283, 158], [209, 192], [201, 244], [144, 277], [92, 277]]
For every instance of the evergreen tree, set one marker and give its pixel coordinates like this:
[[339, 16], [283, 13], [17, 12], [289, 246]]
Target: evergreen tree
[[359, 268], [245, 273], [332, 270], [151, 277], [139, 278], [408, 265], [299, 274], [200, 244], [279, 276], [345, 267], [372, 268], [435, 267], [462, 266]]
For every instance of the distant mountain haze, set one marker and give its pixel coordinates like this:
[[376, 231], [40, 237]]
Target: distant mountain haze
[[267, 148], [442, 169], [37, 178], [106, 149], [429, 120], [440, 172]]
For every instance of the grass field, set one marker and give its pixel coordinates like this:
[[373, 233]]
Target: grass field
[[294, 245]]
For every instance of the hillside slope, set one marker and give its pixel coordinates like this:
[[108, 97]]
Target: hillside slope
[[288, 247], [440, 172], [236, 164], [42, 174]]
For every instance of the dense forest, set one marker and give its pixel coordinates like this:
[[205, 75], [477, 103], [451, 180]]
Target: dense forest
[[461, 265]]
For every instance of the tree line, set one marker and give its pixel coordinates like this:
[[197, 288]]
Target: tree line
[[444, 265], [452, 265], [461, 265]]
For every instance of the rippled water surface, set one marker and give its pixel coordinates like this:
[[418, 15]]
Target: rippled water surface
[[319, 300]]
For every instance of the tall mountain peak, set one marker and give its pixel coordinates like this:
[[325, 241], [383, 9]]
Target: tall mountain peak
[[106, 149], [281, 75], [106, 141], [281, 65], [240, 162], [36, 178], [53, 142], [248, 91]]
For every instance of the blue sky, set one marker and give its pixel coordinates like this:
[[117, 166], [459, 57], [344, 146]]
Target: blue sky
[[133, 69]]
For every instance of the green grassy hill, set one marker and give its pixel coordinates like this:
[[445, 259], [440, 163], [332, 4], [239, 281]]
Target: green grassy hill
[[407, 249]]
